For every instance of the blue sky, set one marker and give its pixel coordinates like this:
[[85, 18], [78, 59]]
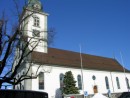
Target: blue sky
[[102, 27]]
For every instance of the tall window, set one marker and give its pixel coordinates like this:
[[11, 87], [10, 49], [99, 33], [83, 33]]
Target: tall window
[[118, 83], [61, 80], [79, 82], [36, 21], [107, 83], [41, 80], [127, 83]]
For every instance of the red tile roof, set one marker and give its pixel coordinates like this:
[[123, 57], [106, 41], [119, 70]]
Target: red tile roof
[[63, 58]]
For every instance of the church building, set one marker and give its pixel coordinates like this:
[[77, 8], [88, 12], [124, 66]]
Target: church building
[[100, 74]]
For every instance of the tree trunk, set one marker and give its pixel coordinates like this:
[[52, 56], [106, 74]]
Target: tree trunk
[[0, 85]]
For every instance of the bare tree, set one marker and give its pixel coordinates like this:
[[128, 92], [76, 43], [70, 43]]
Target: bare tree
[[16, 47]]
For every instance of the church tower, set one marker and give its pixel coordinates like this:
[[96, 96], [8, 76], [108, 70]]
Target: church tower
[[34, 25]]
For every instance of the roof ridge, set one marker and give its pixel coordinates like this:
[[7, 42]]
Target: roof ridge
[[82, 53]]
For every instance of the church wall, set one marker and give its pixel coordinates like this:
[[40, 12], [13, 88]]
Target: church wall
[[29, 25], [43, 23], [35, 81], [121, 76], [99, 81], [52, 81], [27, 83], [21, 71]]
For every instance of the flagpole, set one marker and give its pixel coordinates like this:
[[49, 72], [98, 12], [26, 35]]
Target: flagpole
[[123, 68], [81, 64]]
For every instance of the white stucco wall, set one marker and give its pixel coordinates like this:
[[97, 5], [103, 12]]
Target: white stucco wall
[[122, 81], [52, 81], [29, 27]]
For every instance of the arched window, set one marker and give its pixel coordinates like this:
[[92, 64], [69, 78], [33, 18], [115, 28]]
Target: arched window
[[118, 83], [79, 82], [17, 87], [41, 80], [107, 83], [22, 87], [18, 76], [127, 83], [36, 21], [94, 77], [61, 80]]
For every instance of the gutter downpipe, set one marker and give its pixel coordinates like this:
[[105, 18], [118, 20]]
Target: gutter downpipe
[[112, 82], [124, 69]]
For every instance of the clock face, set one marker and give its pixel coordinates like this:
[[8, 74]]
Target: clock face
[[36, 6]]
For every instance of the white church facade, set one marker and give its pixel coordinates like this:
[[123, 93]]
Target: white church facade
[[100, 74]]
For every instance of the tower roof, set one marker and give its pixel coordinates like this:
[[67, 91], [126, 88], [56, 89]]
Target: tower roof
[[32, 3]]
